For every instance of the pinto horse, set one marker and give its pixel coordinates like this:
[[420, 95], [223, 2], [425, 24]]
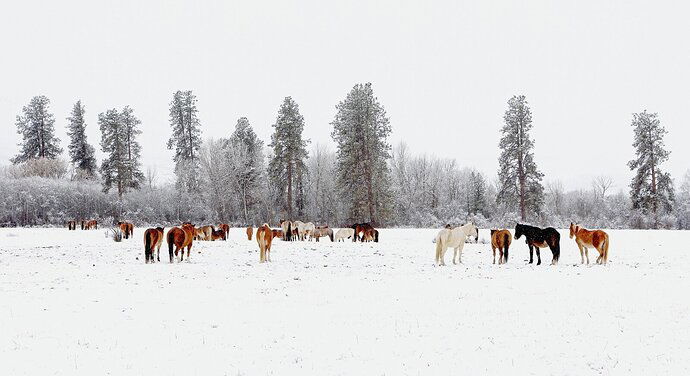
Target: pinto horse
[[179, 238], [286, 227], [153, 238], [585, 239], [536, 238], [126, 228], [500, 239], [264, 237], [454, 238]]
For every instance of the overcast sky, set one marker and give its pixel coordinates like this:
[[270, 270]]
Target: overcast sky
[[443, 70]]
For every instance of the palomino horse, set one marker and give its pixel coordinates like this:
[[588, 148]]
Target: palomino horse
[[226, 229], [361, 229], [596, 239], [536, 238], [126, 228], [322, 231], [153, 238], [500, 239], [264, 236], [179, 238], [344, 233], [286, 227], [250, 231], [454, 238]]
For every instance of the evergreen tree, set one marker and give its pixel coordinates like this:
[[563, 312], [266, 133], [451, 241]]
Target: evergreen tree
[[287, 168], [519, 179], [247, 172], [121, 166], [361, 129], [476, 193], [185, 139], [37, 127], [651, 189], [80, 151]]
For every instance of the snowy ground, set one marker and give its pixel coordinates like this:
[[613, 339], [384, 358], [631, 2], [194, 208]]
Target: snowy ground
[[74, 302]]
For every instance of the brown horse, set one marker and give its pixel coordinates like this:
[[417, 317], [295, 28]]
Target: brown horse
[[500, 239], [153, 238], [89, 225], [277, 233], [126, 228], [250, 231], [226, 229], [180, 238], [218, 235], [596, 239], [264, 236], [364, 229], [71, 225]]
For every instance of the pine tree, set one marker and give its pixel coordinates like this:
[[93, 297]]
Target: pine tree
[[248, 172], [476, 193], [651, 189], [185, 139], [80, 151], [121, 166], [37, 127], [287, 168], [519, 179], [361, 129]]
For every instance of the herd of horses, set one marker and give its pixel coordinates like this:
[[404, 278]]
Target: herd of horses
[[181, 237]]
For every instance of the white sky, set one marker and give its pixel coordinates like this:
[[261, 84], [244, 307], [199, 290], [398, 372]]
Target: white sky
[[443, 70]]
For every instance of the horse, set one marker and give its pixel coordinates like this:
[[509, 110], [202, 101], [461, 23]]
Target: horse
[[286, 227], [500, 239], [277, 233], [322, 231], [360, 228], [126, 228], [89, 225], [179, 238], [305, 230], [153, 238], [264, 236], [371, 234], [226, 229], [218, 235], [454, 238], [585, 239], [250, 231], [71, 225], [344, 233], [536, 238], [296, 225]]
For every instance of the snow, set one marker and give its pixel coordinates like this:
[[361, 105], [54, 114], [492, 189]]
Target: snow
[[75, 302]]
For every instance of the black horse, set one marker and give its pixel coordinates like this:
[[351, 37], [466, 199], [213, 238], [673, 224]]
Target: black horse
[[540, 238]]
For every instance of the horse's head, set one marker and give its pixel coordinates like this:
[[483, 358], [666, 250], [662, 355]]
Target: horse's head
[[518, 231], [473, 230], [574, 227]]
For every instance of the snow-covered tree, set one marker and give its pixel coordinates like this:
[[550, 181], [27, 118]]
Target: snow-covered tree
[[37, 127], [81, 153], [287, 168], [323, 200], [121, 166], [476, 193], [361, 129], [185, 139], [246, 157], [683, 203], [651, 189], [519, 179]]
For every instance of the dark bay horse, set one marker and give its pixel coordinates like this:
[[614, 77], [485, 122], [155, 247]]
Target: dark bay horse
[[367, 231], [540, 238]]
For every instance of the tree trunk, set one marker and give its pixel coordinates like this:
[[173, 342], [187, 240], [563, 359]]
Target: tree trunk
[[289, 192]]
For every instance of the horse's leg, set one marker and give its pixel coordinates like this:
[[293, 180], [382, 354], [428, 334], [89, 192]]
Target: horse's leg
[[443, 256], [455, 254], [587, 254], [459, 249], [189, 250], [538, 256], [499, 254], [531, 253]]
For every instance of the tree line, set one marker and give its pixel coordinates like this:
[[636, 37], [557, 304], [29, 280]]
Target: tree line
[[240, 179]]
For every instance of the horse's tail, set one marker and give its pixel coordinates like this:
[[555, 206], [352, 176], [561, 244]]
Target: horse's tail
[[605, 248], [330, 234], [147, 246], [170, 244], [506, 242], [439, 246]]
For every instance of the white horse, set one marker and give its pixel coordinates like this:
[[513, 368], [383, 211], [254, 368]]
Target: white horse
[[454, 238], [344, 233], [305, 229], [287, 227]]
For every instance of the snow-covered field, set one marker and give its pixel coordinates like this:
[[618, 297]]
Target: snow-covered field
[[74, 302]]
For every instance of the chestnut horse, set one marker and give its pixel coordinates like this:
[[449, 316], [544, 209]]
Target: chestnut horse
[[89, 225], [218, 235], [277, 233], [126, 228], [226, 229], [500, 239], [585, 239], [153, 238], [363, 229], [536, 238], [180, 238], [250, 231], [264, 237]]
